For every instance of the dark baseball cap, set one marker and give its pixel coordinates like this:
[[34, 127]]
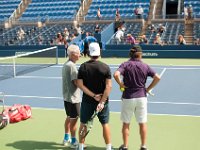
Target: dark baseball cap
[[135, 49]]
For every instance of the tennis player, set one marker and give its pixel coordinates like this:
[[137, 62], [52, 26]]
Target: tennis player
[[134, 97], [71, 95], [94, 79]]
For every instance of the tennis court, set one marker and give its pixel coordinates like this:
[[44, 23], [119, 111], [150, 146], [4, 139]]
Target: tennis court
[[173, 112]]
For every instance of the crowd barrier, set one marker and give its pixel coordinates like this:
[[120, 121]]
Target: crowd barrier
[[149, 51]]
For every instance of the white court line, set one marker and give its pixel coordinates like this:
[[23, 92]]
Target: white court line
[[114, 112], [60, 98], [152, 65], [174, 115], [170, 103], [39, 97], [53, 97], [38, 77], [174, 103], [183, 68], [112, 67], [46, 77], [163, 71], [161, 74]]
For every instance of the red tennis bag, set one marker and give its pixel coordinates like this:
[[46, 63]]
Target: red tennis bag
[[18, 112]]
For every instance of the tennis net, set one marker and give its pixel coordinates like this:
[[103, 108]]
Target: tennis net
[[27, 62]]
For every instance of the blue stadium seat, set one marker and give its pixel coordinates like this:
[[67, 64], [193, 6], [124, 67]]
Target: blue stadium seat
[[51, 9], [109, 6]]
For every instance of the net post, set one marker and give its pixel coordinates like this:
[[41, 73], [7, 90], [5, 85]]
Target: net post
[[56, 55], [14, 68]]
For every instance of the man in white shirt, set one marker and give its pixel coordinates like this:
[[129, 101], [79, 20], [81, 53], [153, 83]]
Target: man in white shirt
[[119, 35]]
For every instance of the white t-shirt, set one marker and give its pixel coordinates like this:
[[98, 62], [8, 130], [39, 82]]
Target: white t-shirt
[[119, 34]]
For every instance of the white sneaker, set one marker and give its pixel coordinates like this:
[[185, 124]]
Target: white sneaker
[[66, 142], [74, 145]]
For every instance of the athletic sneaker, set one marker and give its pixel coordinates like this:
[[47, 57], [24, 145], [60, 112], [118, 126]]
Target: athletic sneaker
[[74, 145], [84, 147], [66, 142], [142, 148], [123, 148]]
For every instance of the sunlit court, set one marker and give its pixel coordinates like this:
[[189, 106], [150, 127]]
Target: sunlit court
[[142, 56], [173, 110]]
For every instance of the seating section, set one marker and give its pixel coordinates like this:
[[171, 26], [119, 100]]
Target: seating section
[[195, 5], [170, 35], [32, 34], [90, 27], [48, 33], [7, 7], [108, 8], [133, 28], [173, 29], [196, 30], [51, 9], [60, 10]]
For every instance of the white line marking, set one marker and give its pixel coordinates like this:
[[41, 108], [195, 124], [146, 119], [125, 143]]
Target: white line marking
[[183, 68], [40, 97], [161, 74], [114, 112], [170, 103], [38, 77], [173, 103], [174, 115], [52, 97], [163, 71]]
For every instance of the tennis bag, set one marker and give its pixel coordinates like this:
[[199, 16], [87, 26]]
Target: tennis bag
[[18, 112]]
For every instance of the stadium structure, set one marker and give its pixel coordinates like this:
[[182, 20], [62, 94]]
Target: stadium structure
[[41, 22]]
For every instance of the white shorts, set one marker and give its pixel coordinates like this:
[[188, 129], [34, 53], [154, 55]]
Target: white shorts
[[136, 106]]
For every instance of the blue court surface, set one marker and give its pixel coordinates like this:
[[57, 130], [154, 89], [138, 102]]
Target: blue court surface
[[176, 94]]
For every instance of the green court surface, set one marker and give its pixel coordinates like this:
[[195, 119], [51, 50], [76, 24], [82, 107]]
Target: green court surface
[[167, 62], [45, 130]]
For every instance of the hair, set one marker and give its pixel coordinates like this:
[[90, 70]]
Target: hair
[[135, 52], [94, 57], [72, 49]]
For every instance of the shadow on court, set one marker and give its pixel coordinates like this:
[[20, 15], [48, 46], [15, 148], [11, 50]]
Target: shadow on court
[[35, 145], [39, 145]]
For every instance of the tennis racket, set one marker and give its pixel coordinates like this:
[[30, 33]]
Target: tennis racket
[[88, 126]]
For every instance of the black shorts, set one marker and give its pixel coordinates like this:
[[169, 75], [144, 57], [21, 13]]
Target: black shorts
[[88, 109], [72, 109]]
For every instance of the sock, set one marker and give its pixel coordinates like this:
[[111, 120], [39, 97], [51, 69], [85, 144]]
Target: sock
[[67, 136], [73, 140], [81, 146], [108, 147]]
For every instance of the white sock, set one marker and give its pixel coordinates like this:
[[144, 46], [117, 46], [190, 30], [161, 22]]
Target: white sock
[[108, 147], [81, 146]]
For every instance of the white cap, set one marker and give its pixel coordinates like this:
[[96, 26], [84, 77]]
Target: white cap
[[94, 49], [72, 48]]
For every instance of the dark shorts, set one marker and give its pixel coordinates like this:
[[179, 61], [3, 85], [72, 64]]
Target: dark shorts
[[88, 109], [72, 109]]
